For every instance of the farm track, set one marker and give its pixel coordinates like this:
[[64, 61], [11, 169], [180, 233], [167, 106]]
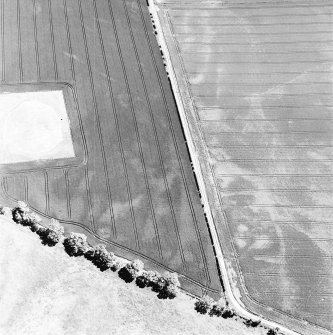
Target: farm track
[[254, 81], [132, 185]]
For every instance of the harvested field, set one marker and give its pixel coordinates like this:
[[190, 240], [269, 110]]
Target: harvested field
[[130, 184], [255, 78]]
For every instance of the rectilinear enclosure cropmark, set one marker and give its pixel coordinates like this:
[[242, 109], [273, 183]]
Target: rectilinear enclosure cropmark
[[34, 126]]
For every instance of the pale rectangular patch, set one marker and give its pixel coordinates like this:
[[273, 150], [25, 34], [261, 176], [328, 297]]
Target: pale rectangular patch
[[34, 126]]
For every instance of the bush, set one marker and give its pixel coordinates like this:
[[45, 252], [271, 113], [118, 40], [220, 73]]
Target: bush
[[100, 257], [204, 305], [217, 308], [131, 271], [273, 331], [251, 323], [52, 235], [76, 244]]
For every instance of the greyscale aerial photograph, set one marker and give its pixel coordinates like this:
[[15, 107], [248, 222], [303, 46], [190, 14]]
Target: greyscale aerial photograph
[[166, 167]]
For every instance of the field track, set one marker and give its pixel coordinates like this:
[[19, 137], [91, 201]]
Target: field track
[[255, 81], [131, 183]]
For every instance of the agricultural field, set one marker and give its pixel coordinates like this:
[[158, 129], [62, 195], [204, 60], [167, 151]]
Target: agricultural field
[[255, 78], [70, 296], [95, 139]]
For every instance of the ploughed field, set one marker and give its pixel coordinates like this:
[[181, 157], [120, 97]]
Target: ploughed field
[[130, 183], [260, 76]]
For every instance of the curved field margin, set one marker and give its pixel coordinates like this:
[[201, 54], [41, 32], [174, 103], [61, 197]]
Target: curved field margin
[[253, 80], [131, 183]]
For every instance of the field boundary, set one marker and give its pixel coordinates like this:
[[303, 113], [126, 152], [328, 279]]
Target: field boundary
[[208, 193], [94, 237]]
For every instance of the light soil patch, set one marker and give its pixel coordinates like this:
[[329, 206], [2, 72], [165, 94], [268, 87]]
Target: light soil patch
[[34, 126], [44, 291]]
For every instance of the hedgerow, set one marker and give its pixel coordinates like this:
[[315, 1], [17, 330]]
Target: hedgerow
[[75, 244]]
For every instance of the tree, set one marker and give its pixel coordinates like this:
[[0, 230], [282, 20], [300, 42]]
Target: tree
[[116, 265], [159, 284], [52, 235], [131, 271], [218, 308], [227, 313], [251, 323], [100, 257], [169, 286], [153, 277], [142, 280], [171, 279], [24, 216], [37, 228], [76, 244], [204, 304]]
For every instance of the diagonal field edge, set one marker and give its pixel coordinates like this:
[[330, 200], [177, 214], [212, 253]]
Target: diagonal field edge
[[194, 156]]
